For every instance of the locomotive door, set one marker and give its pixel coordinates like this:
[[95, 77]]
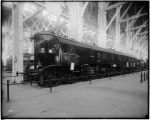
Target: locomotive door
[[53, 57], [41, 53], [92, 58]]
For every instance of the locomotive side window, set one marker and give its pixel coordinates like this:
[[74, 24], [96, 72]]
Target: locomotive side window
[[92, 54], [50, 51], [41, 47], [104, 56], [71, 49], [99, 55], [64, 48], [53, 46], [68, 49], [133, 64], [112, 57], [119, 58], [127, 64], [42, 50]]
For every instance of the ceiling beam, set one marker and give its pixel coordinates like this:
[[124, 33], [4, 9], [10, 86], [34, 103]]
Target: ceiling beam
[[135, 16], [132, 22], [126, 11], [42, 5], [117, 11], [84, 7], [138, 31], [135, 19], [36, 13], [144, 36], [115, 5], [142, 26], [138, 13], [35, 22], [143, 33], [107, 3], [141, 39], [129, 27], [143, 45]]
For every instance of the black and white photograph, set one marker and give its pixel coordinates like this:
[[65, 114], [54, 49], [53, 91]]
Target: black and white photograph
[[74, 59]]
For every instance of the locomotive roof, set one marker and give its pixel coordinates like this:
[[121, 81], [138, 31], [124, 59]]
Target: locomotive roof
[[84, 45]]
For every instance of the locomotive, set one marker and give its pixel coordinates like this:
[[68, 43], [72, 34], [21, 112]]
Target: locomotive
[[59, 57]]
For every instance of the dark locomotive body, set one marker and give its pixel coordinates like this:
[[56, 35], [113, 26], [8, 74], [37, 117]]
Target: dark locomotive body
[[59, 57]]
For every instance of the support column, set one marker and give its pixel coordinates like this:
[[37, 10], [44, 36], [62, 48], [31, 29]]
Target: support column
[[75, 25], [101, 34], [79, 20], [71, 21], [117, 41], [17, 42], [127, 36]]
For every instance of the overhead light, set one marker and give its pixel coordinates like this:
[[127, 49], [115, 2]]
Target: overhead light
[[45, 13], [62, 20], [54, 18], [29, 7], [114, 65]]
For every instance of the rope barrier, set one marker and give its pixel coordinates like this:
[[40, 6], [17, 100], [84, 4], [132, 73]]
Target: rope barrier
[[14, 83], [4, 83], [57, 81], [9, 76]]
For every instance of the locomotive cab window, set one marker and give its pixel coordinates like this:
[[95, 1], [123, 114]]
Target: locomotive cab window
[[64, 48], [71, 49], [42, 50], [112, 57], [68, 49], [41, 47], [53, 46], [98, 55], [104, 56], [92, 54], [127, 64]]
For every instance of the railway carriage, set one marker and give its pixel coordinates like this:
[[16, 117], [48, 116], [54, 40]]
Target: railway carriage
[[60, 57]]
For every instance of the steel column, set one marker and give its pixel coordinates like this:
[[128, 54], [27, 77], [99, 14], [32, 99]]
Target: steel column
[[101, 33], [75, 25], [127, 37], [17, 62], [117, 40]]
